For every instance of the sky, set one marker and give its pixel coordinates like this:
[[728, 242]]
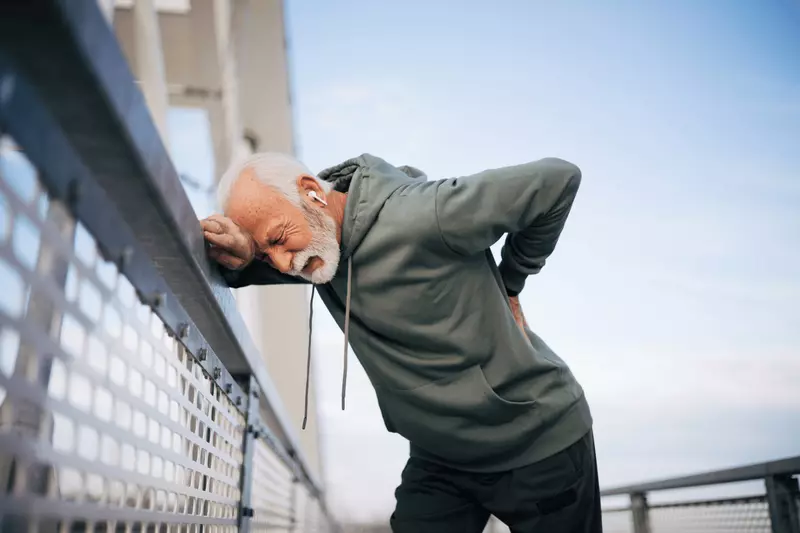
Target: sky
[[672, 293]]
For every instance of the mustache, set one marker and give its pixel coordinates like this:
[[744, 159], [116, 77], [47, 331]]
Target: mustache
[[301, 261]]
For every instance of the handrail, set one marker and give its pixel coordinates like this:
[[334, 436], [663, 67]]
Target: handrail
[[69, 97], [780, 503], [788, 466]]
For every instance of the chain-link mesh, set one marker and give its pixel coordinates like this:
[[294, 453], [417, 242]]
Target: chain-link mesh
[[106, 421]]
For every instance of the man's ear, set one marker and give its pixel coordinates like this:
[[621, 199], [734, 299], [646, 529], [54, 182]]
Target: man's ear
[[307, 184]]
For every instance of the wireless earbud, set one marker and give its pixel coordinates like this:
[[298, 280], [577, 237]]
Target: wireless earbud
[[314, 196]]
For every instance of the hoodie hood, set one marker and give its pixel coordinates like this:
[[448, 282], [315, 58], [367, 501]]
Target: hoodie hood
[[368, 182]]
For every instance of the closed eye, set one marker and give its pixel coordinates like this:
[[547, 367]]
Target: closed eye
[[280, 240]]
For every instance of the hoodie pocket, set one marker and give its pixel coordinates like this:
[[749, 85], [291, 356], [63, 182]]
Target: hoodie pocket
[[459, 418]]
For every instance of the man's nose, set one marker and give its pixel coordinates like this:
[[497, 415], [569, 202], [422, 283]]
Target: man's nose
[[281, 260]]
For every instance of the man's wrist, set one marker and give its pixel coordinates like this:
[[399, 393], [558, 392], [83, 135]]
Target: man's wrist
[[513, 279]]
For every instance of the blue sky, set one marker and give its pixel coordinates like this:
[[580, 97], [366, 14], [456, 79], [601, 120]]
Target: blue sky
[[672, 293]]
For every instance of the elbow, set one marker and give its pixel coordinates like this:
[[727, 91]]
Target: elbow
[[567, 175]]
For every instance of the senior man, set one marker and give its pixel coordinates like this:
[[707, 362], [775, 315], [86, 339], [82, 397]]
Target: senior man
[[496, 421]]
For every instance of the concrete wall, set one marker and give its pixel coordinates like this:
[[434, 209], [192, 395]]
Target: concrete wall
[[198, 74]]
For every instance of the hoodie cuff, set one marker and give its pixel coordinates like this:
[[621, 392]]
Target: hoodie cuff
[[513, 279], [232, 277]]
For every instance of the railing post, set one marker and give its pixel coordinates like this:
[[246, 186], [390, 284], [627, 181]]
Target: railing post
[[640, 513], [250, 435], [782, 497], [293, 505]]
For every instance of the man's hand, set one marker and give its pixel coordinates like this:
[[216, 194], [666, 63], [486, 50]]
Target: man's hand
[[516, 309], [232, 247]]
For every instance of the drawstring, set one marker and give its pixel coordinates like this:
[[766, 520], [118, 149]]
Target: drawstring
[[346, 327], [346, 340], [308, 358]]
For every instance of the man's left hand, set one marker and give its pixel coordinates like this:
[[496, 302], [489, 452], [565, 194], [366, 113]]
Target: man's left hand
[[516, 309]]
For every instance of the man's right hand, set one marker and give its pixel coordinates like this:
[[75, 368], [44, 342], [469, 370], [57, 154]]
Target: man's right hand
[[231, 246], [516, 310]]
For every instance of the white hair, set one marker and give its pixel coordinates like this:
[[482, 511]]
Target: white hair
[[272, 168]]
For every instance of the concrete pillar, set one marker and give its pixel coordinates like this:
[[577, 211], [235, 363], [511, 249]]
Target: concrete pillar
[[277, 316], [150, 63], [230, 59], [226, 25]]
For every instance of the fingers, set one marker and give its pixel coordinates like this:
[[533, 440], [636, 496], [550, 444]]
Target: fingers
[[223, 240], [226, 259], [231, 246], [516, 310], [219, 224], [213, 226]]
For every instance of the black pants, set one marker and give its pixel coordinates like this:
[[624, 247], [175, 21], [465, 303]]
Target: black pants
[[559, 494]]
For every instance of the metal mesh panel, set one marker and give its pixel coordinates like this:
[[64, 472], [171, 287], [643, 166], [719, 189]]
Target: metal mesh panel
[[746, 515], [106, 421], [273, 496], [617, 521], [306, 511], [314, 518]]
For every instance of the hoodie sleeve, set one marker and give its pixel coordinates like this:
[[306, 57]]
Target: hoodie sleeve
[[256, 273], [528, 202]]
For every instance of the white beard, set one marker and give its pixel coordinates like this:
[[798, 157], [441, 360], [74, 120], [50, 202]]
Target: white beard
[[323, 245]]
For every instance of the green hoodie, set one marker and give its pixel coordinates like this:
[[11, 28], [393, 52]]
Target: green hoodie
[[429, 317]]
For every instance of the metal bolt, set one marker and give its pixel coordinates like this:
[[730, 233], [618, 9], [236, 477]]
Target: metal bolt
[[7, 88], [74, 192], [183, 330], [217, 372], [103, 251], [228, 388], [255, 394], [125, 257], [157, 299], [238, 400], [202, 353]]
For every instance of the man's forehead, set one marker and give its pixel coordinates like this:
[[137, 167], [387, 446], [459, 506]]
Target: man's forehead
[[249, 189], [253, 201]]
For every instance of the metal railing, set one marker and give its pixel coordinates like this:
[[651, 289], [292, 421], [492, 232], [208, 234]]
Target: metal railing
[[775, 510], [131, 395]]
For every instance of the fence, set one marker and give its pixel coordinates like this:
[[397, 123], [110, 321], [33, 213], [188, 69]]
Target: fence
[[131, 396], [775, 510]]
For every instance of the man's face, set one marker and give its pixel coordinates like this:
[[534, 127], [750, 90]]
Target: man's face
[[296, 240]]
